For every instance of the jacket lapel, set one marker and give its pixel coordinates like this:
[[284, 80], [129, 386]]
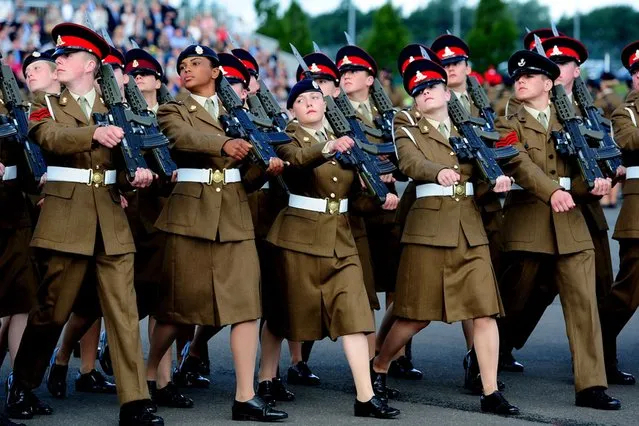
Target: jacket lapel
[[426, 127], [198, 111], [531, 122], [304, 138], [71, 107]]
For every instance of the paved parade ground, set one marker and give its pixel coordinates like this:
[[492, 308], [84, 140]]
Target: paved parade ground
[[544, 392]]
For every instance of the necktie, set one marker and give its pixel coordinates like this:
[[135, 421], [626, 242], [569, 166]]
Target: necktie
[[465, 101], [211, 107], [363, 109], [321, 136], [443, 130], [84, 105], [543, 119]]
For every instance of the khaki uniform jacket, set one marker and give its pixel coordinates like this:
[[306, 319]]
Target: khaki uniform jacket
[[435, 221], [215, 212], [529, 222], [311, 174], [625, 120], [73, 212], [608, 102]]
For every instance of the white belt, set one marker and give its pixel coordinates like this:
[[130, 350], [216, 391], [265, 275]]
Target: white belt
[[631, 172], [86, 176], [320, 205], [209, 176], [435, 190], [564, 182], [10, 173], [265, 186]]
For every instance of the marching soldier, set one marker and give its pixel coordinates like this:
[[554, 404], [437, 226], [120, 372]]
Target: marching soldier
[[82, 225], [208, 222], [358, 71], [544, 235], [608, 101], [445, 271], [619, 306], [317, 257]]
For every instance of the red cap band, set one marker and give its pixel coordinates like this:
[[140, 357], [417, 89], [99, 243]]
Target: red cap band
[[422, 77], [140, 63], [79, 43], [409, 60], [562, 51], [451, 52], [248, 64], [231, 72], [354, 60]]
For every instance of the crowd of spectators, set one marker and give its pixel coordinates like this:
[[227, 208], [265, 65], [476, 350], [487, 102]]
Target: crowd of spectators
[[155, 25]]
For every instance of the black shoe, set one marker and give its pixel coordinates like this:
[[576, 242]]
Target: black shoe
[[205, 367], [6, 421], [472, 378], [258, 410], [104, 355], [376, 407], [403, 368], [596, 398], [496, 403], [187, 375], [169, 396], [22, 403], [136, 413], [618, 377], [507, 362], [274, 390], [93, 382], [379, 386], [301, 374], [57, 378]]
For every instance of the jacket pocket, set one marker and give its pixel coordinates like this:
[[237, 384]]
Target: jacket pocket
[[183, 204], [299, 226], [519, 222], [578, 226], [423, 217], [56, 209]]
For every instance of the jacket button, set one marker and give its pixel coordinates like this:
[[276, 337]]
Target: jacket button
[[334, 179], [452, 153], [217, 190], [455, 167], [333, 162], [552, 172], [332, 195], [97, 167], [551, 156]]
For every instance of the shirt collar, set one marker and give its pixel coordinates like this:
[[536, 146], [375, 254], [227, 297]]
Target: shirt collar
[[154, 109], [90, 96], [202, 100], [436, 123], [460, 94], [535, 113], [356, 104], [315, 133]]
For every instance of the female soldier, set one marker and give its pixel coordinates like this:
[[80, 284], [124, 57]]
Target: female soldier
[[321, 271], [445, 270]]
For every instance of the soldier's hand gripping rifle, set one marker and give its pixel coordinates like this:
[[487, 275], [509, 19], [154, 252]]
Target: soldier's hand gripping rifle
[[362, 156], [153, 137], [16, 124], [238, 124], [595, 121]]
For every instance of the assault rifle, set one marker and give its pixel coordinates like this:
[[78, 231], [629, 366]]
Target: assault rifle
[[598, 123], [16, 124], [480, 99]]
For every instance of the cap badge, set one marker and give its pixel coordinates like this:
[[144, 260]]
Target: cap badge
[[199, 50], [411, 59], [59, 41], [636, 56], [36, 54], [135, 63], [223, 70], [448, 53], [419, 76], [521, 62], [345, 60], [315, 68], [315, 85], [556, 51]]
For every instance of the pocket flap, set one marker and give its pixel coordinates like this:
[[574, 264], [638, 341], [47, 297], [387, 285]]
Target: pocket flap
[[190, 189], [430, 203], [60, 189]]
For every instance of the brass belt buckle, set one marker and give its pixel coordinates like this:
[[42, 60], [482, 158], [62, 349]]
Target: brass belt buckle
[[216, 176], [333, 207], [459, 190], [95, 178]]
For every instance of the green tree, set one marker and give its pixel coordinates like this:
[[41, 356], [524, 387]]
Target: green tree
[[388, 36], [328, 29], [431, 21], [268, 21], [529, 14], [295, 29], [492, 39]]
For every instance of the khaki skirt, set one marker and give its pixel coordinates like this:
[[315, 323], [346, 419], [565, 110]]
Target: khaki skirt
[[209, 283], [18, 276], [446, 284], [325, 296]]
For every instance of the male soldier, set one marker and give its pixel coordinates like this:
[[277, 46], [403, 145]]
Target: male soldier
[[82, 225], [358, 71], [568, 53], [619, 306], [41, 76], [544, 235]]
